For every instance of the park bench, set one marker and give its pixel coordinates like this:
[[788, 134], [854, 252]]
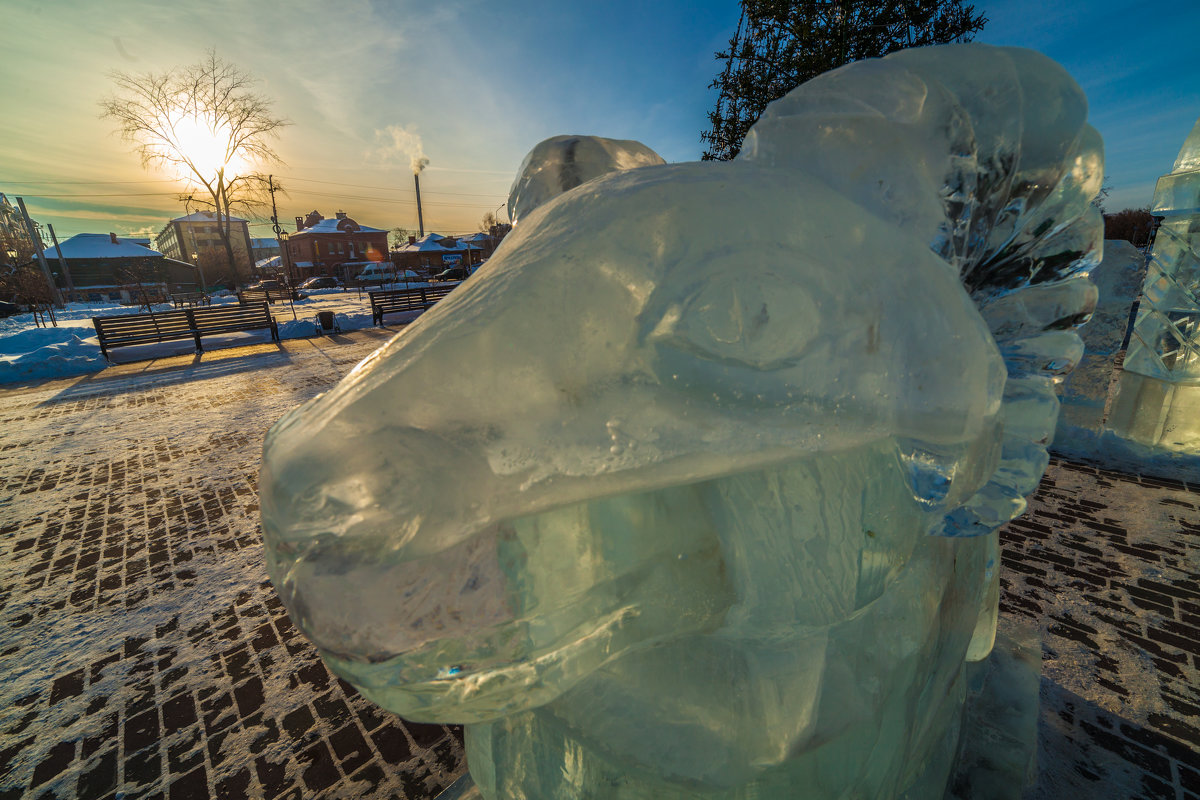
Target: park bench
[[130, 329], [233, 319], [187, 323], [181, 299], [396, 300], [251, 296]]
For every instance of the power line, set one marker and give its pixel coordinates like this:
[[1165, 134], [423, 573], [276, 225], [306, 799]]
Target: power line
[[360, 198], [87, 183], [115, 194], [181, 183], [389, 188]]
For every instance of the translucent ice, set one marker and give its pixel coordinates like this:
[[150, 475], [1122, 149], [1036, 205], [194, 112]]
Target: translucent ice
[[1158, 404], [561, 163], [647, 501]]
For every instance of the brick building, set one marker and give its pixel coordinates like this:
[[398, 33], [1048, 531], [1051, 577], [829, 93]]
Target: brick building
[[196, 239], [433, 252], [320, 246]]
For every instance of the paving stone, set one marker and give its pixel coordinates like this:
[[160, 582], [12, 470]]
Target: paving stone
[[150, 657], [138, 532]]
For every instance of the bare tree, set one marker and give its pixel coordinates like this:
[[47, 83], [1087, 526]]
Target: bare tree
[[1134, 225], [205, 122], [26, 285], [17, 243], [399, 237]]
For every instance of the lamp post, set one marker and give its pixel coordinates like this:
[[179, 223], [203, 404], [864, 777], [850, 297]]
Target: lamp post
[[200, 272], [491, 233], [285, 250]]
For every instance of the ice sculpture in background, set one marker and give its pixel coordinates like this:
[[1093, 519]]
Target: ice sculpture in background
[[694, 488], [1158, 403], [1085, 392]]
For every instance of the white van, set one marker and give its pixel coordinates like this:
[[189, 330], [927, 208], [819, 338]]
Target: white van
[[368, 271], [377, 272]]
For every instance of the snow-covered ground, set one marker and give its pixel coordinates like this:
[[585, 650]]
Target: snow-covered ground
[[28, 352]]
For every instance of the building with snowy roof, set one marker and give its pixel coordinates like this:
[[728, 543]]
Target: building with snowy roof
[[320, 246], [264, 248], [434, 252], [103, 266], [196, 239]]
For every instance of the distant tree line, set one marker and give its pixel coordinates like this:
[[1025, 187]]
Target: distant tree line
[[1133, 225]]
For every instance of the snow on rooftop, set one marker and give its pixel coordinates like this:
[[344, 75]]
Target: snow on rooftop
[[432, 243], [100, 245], [425, 245], [331, 226]]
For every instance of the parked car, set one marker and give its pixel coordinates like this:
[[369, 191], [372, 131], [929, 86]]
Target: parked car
[[277, 289], [323, 282], [271, 286], [452, 274]]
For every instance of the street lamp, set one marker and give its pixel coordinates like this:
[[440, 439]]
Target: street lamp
[[200, 272], [283, 236]]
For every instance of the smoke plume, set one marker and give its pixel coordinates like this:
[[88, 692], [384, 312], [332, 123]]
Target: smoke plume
[[396, 141]]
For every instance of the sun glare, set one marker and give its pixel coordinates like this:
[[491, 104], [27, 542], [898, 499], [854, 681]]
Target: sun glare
[[205, 146]]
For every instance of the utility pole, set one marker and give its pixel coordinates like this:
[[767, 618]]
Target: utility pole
[[37, 243], [285, 257], [62, 261]]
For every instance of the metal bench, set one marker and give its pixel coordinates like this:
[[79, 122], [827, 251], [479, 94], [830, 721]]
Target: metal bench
[[398, 300], [181, 299], [187, 323], [233, 319], [130, 329], [251, 296]]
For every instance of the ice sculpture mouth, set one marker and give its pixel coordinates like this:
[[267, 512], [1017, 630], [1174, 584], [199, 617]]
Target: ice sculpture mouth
[[468, 629]]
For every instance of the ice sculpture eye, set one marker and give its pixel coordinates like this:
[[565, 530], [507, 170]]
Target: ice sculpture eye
[[758, 318]]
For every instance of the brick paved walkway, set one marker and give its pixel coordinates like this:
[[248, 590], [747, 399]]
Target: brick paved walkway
[[1108, 565], [144, 654]]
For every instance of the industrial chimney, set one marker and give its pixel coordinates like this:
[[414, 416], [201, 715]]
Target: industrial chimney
[[420, 219]]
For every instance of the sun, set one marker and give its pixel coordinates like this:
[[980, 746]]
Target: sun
[[206, 145]]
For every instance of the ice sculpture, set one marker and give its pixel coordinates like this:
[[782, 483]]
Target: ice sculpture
[[693, 489], [1085, 392], [1158, 404]]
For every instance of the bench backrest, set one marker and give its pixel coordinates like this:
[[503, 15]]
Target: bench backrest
[[162, 324], [261, 295], [225, 318], [426, 293]]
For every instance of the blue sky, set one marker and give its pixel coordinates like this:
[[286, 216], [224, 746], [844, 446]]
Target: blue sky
[[480, 83]]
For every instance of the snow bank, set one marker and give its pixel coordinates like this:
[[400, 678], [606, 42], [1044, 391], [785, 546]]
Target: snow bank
[[38, 353], [1108, 451]]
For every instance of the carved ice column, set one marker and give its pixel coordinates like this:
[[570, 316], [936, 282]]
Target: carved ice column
[[1159, 400]]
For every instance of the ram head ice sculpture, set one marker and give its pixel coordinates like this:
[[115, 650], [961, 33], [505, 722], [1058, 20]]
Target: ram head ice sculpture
[[694, 486]]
